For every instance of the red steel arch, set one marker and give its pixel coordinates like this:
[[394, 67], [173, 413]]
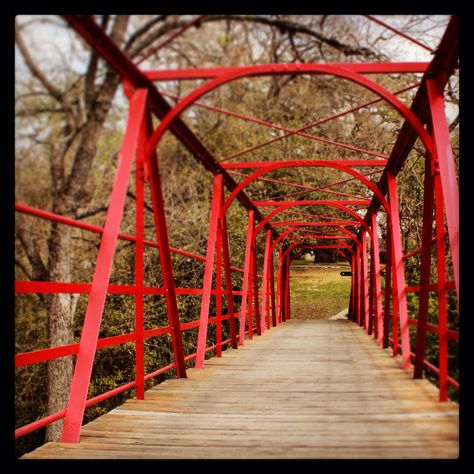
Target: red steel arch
[[279, 69], [307, 164]]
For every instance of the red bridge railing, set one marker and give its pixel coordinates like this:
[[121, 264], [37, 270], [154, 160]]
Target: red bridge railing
[[140, 334]]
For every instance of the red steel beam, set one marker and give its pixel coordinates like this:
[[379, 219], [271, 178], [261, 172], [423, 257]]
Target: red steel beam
[[399, 33], [263, 164], [210, 73], [316, 224], [207, 282], [51, 216], [320, 202], [95, 306]]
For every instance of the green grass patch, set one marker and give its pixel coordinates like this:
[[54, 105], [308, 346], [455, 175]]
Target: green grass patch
[[318, 292]]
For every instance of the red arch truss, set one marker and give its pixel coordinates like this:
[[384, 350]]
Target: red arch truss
[[378, 299]]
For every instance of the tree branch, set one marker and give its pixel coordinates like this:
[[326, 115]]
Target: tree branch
[[92, 212], [23, 268], [454, 124], [295, 28], [132, 195], [31, 251], [32, 66], [143, 30]]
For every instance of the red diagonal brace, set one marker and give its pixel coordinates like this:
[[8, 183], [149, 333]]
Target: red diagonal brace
[[95, 306], [207, 284]]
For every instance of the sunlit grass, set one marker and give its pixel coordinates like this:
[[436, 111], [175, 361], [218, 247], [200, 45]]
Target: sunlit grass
[[318, 292]]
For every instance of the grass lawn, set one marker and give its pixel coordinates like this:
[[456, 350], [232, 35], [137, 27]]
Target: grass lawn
[[318, 292]]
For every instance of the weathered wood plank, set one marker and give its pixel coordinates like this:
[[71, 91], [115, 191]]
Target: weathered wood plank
[[306, 389]]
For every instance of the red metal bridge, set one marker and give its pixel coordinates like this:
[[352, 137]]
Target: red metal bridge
[[349, 388]]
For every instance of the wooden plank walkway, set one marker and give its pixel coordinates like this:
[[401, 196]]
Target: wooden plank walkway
[[306, 389]]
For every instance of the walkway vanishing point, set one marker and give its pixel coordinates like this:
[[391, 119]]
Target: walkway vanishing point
[[307, 389]]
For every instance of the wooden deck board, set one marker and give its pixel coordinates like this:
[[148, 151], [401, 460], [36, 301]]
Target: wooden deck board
[[306, 389]]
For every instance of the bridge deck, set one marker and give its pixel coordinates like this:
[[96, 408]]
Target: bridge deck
[[306, 389]]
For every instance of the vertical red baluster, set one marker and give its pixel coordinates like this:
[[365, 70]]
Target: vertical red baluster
[[378, 322], [255, 282], [279, 285], [365, 290], [228, 280], [351, 294], [244, 310], [161, 229], [358, 304], [283, 294], [208, 270], [139, 261], [95, 305], [399, 272], [441, 286], [372, 328], [395, 332], [425, 267], [219, 289], [272, 289], [265, 311], [388, 286], [287, 288]]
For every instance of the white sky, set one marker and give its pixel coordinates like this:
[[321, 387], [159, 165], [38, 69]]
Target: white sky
[[56, 48]]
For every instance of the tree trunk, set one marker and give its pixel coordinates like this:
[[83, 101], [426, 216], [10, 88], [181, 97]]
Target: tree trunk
[[60, 308]]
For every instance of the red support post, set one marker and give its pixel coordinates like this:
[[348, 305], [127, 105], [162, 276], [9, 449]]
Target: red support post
[[378, 322], [388, 286], [244, 309], [425, 267], [267, 261], [219, 288], [358, 299], [352, 295], [254, 274], [364, 289], [286, 287], [399, 273], [372, 327], [281, 295], [215, 213], [90, 332], [441, 287], [250, 298], [447, 170], [161, 229], [139, 267], [228, 280], [272, 289]]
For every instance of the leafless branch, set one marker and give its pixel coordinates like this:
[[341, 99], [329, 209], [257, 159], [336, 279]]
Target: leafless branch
[[32, 253], [296, 28], [92, 212], [134, 197], [35, 70]]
